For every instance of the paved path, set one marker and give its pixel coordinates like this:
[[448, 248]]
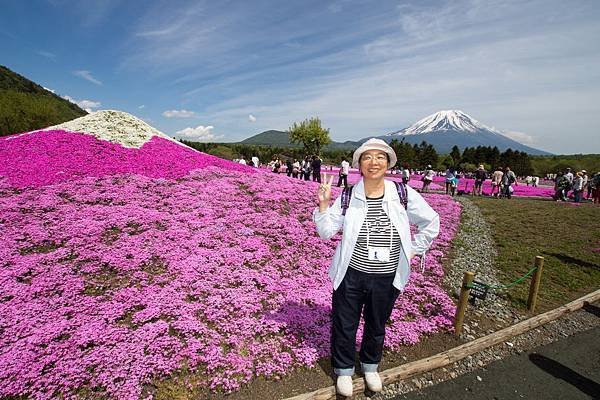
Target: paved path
[[566, 369]]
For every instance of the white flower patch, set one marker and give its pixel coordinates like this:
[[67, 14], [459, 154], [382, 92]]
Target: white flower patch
[[114, 126]]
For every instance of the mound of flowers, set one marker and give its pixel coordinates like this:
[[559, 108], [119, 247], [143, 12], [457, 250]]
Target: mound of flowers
[[158, 260], [46, 157]]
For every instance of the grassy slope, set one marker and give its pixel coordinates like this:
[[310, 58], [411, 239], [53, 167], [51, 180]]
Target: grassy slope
[[26, 106], [565, 235], [552, 164]]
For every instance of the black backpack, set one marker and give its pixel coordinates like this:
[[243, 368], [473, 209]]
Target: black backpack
[[400, 187]]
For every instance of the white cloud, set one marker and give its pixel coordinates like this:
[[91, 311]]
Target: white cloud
[[87, 75], [511, 64], [199, 133], [142, 107], [251, 118], [46, 54], [87, 105], [520, 137], [179, 114], [48, 89]]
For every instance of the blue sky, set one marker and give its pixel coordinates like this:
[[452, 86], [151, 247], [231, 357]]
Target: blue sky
[[226, 70]]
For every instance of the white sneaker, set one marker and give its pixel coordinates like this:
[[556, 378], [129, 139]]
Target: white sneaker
[[373, 381], [344, 385]]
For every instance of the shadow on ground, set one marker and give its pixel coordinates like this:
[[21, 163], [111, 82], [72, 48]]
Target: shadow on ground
[[560, 371], [572, 260]]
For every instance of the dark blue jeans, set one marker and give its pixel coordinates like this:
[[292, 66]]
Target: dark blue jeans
[[374, 296]]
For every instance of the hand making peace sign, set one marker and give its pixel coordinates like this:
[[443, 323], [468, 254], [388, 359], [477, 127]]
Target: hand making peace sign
[[324, 192]]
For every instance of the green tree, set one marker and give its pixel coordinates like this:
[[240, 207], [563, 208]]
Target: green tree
[[427, 155], [455, 154], [310, 134], [494, 157], [404, 151]]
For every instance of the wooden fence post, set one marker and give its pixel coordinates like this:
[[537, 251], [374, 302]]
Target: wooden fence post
[[462, 302], [534, 287]]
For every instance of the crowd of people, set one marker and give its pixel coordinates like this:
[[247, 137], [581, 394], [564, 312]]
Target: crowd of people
[[502, 181], [307, 168], [577, 186]]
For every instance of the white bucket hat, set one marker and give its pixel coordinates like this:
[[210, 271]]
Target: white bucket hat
[[374, 144]]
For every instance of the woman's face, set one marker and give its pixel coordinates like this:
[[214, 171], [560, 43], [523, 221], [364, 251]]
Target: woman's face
[[373, 164]]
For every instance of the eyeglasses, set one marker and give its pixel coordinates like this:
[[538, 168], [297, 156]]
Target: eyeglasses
[[380, 158]]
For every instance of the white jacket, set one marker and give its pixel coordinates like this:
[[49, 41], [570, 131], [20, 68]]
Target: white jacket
[[419, 213]]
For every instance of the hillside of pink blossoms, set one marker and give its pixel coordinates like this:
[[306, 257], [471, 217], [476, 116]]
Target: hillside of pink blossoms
[[45, 157], [119, 266]]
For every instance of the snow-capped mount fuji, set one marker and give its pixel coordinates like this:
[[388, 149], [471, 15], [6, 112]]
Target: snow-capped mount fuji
[[446, 120], [448, 128]]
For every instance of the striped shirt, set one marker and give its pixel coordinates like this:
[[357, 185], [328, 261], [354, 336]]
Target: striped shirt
[[380, 231]]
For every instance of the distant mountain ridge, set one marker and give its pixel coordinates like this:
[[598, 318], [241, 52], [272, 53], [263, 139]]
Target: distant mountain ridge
[[443, 130], [27, 106], [281, 139], [270, 138]]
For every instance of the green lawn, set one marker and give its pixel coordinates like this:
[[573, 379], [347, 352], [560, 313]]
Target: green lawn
[[567, 236]]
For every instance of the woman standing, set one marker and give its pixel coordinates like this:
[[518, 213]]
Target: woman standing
[[450, 175], [480, 176], [427, 179], [496, 181], [371, 265], [508, 179], [578, 187]]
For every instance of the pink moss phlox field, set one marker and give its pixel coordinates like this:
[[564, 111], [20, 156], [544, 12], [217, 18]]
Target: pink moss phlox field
[[46, 157], [520, 189], [109, 283]]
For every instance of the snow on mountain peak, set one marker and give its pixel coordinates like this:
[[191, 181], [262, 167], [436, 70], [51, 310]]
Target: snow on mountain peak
[[446, 120]]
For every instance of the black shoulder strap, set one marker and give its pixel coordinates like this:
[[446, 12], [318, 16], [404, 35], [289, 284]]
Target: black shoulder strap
[[401, 188], [346, 195]]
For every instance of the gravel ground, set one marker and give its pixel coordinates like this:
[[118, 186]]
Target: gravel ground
[[475, 251]]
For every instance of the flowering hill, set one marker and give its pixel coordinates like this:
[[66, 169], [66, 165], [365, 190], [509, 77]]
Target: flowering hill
[[121, 266], [47, 157]]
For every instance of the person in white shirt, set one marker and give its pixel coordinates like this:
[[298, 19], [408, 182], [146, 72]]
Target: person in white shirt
[[427, 178], [255, 161], [569, 175], [343, 176], [578, 187], [585, 181], [371, 265], [242, 161], [405, 175]]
